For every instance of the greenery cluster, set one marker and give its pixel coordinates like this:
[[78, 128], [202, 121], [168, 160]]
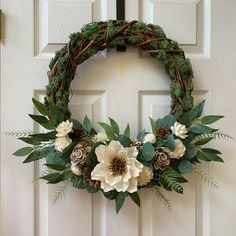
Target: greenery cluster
[[171, 178]]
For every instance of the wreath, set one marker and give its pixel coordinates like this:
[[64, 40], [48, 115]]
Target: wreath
[[111, 161]]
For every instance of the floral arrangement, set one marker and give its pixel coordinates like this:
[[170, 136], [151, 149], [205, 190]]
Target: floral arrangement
[[119, 165], [113, 162]]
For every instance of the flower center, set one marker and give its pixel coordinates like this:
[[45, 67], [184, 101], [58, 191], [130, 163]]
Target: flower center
[[118, 166]]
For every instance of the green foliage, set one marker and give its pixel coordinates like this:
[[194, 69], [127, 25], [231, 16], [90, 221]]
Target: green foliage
[[109, 131], [185, 166], [170, 142], [203, 141], [163, 198], [59, 193], [210, 119], [146, 153], [127, 131], [207, 154], [166, 122], [23, 151], [206, 179], [30, 140], [114, 126], [124, 140], [135, 197], [191, 150], [153, 125], [120, 199], [43, 121], [87, 124], [141, 135], [92, 158], [42, 108], [170, 179]]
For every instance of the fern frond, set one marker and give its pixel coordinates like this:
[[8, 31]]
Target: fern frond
[[215, 136], [163, 198], [60, 193], [19, 134], [170, 182], [206, 179]]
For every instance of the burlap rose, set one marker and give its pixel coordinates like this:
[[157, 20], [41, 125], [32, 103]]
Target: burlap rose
[[161, 159]]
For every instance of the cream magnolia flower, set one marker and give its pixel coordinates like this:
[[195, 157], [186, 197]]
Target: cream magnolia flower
[[179, 149], [100, 137], [151, 138], [64, 128], [76, 170], [145, 176], [118, 168], [62, 142], [179, 130]]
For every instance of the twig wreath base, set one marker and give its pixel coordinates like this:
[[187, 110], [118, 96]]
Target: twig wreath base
[[113, 162]]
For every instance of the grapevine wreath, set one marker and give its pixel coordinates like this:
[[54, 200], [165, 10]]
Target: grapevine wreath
[[111, 161]]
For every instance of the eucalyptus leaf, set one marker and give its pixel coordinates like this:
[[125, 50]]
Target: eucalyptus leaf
[[56, 167], [196, 111], [87, 124], [185, 166], [124, 140], [170, 142]]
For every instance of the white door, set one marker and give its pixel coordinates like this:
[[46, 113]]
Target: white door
[[128, 87]]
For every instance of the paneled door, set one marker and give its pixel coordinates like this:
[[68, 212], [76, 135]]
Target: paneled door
[[129, 87]]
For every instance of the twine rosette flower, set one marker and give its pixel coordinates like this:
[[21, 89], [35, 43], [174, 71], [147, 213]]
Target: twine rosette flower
[[114, 162], [118, 167]]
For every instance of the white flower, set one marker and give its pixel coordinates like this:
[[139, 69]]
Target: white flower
[[145, 176], [62, 142], [76, 170], [179, 130], [151, 138], [118, 168], [64, 128], [100, 137], [179, 149]]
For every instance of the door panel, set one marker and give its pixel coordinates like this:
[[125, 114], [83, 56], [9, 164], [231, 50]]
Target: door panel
[[128, 87]]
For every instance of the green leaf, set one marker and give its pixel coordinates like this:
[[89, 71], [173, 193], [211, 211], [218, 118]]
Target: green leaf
[[127, 131], [31, 141], [196, 111], [91, 189], [43, 121], [211, 151], [110, 194], [124, 140], [65, 154], [170, 142], [120, 199], [42, 108], [33, 156], [114, 126], [135, 197], [44, 136], [79, 182], [205, 129], [210, 119], [195, 130], [56, 167], [52, 177], [141, 135], [185, 166], [147, 152], [203, 141], [153, 125], [191, 150], [76, 123], [87, 124], [168, 121], [23, 151], [92, 158], [108, 130]]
